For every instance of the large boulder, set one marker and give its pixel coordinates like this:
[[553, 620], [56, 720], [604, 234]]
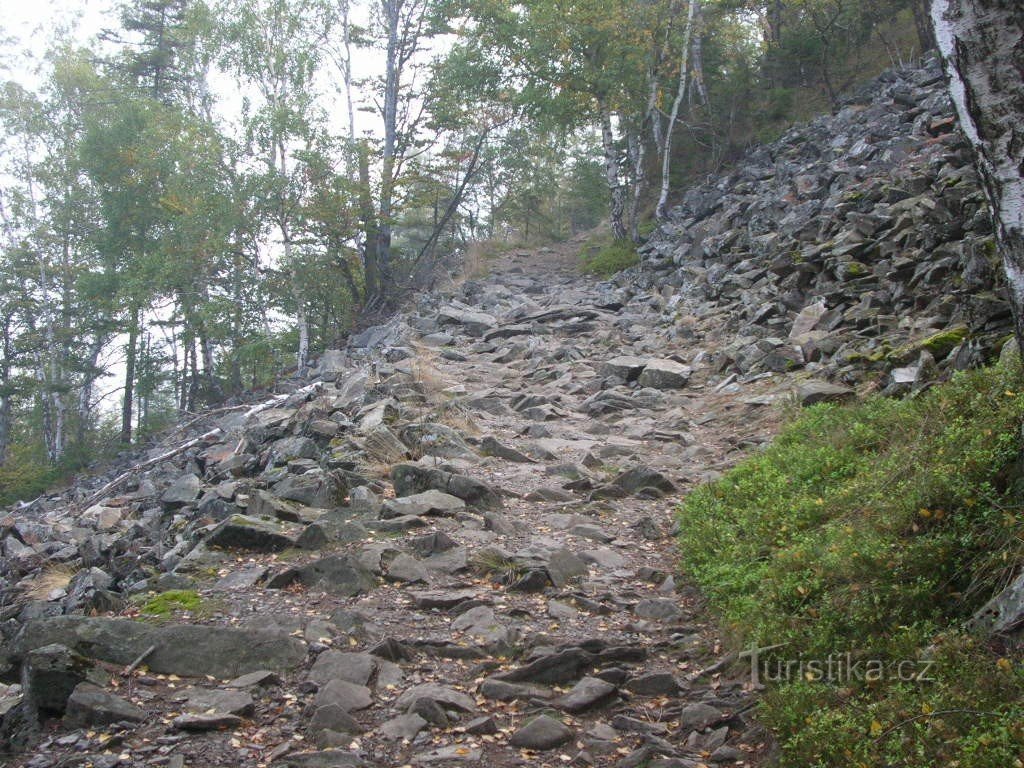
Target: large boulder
[[185, 649], [665, 374], [410, 479]]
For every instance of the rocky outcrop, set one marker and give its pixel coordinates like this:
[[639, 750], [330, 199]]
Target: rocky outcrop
[[855, 245]]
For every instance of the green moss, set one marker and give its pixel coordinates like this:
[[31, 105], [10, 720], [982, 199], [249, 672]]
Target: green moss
[[877, 529], [606, 256], [944, 342], [165, 603]]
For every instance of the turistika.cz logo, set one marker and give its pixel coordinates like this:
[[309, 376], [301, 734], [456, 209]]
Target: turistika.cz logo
[[836, 668]]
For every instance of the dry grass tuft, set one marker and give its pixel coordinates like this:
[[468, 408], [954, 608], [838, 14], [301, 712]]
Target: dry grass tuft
[[55, 576]]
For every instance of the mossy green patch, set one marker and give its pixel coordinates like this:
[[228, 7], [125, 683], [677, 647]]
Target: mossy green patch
[[165, 603], [606, 256], [877, 530], [944, 342]]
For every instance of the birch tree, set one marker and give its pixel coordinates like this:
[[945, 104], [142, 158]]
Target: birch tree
[[982, 45]]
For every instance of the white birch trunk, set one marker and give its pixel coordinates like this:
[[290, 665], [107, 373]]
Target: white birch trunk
[[666, 154], [982, 45]]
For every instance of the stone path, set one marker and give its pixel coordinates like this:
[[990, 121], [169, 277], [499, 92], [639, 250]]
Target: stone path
[[502, 592]]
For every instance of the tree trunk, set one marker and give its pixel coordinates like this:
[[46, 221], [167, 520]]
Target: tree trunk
[[611, 171], [128, 399], [6, 395], [982, 44], [371, 271], [666, 154]]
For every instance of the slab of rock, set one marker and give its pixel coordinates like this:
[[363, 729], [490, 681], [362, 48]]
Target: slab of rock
[[564, 567], [588, 693], [185, 649], [338, 575], [407, 570], [813, 392], [355, 668], [182, 491], [542, 733], [335, 719], [199, 723], [553, 669], [90, 705], [665, 374], [657, 609], [50, 674], [210, 701], [431, 502], [349, 696], [328, 758], [489, 446], [402, 728], [448, 698], [254, 534], [502, 690], [410, 479], [625, 367]]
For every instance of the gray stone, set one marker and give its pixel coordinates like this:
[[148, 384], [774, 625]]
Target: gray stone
[[182, 491], [813, 392], [90, 705], [409, 479], [588, 693], [198, 723], [665, 374], [402, 728], [695, 717], [210, 701], [341, 575], [188, 650], [348, 696], [625, 367], [657, 609], [355, 668], [431, 502], [333, 717], [542, 733], [251, 533], [406, 569], [448, 698]]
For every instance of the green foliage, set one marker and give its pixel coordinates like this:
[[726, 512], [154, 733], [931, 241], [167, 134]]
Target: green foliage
[[165, 603], [877, 529], [25, 474], [604, 256]]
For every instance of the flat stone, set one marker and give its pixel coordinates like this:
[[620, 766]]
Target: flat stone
[[654, 684], [430, 502], [258, 679], [213, 701], [665, 374], [216, 722], [406, 569], [254, 534], [553, 669], [356, 668], [335, 718], [349, 696], [542, 733], [564, 567], [588, 693], [448, 698], [90, 705], [695, 717], [328, 758], [182, 649], [625, 367], [657, 609], [402, 728], [502, 690], [182, 491]]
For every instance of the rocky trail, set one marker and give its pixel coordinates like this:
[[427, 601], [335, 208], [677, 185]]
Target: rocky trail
[[451, 544], [452, 547]]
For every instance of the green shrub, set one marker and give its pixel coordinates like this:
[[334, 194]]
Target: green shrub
[[876, 529], [606, 256]]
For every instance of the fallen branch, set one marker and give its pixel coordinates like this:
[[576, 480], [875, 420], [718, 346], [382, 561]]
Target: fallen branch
[[142, 657]]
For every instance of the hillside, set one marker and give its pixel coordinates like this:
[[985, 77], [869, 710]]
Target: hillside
[[454, 540]]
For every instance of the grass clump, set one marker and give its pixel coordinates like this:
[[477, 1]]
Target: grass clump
[[877, 530], [165, 603], [606, 255]]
